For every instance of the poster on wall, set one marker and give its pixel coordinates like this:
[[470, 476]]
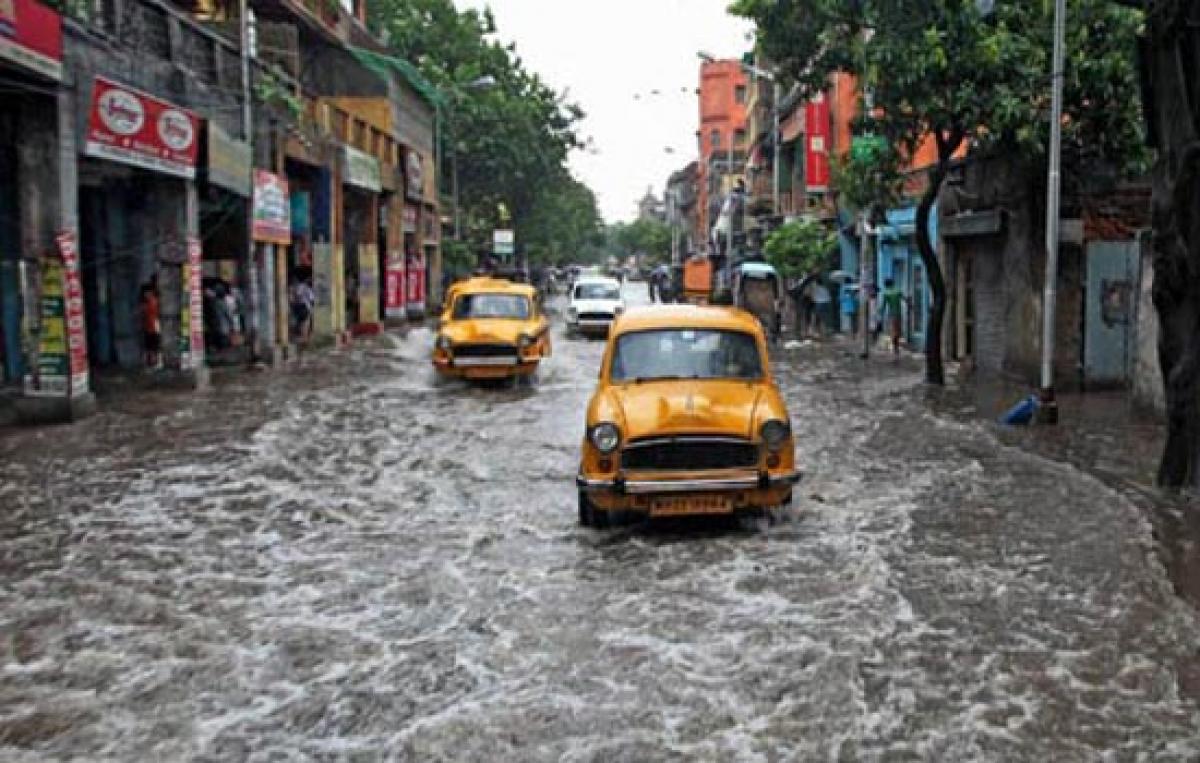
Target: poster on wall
[[816, 156], [50, 376], [76, 334], [394, 291], [131, 127], [272, 209], [415, 283]]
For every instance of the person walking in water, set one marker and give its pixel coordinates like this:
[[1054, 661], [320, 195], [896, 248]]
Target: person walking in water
[[892, 312]]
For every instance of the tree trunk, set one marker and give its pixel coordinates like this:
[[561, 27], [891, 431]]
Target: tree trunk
[[1171, 58], [935, 372]]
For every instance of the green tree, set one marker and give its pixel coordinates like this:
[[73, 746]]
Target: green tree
[[510, 140], [939, 71], [651, 238], [800, 247]]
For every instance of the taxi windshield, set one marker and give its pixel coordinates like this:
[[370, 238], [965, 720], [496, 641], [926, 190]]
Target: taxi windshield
[[511, 306], [597, 291], [686, 354]]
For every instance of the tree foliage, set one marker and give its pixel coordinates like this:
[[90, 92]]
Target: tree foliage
[[510, 140], [800, 247], [651, 238]]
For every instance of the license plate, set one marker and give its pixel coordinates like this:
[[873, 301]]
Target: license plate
[[679, 505], [476, 362]]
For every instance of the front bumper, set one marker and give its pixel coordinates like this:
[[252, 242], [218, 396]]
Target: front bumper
[[591, 324], [619, 486]]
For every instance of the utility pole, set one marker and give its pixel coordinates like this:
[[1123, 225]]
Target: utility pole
[[1048, 411], [251, 280]]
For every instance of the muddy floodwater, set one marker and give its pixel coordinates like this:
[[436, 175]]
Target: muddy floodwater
[[352, 561]]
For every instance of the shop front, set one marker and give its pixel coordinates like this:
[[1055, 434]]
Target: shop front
[[43, 352], [361, 186], [224, 193], [139, 234], [416, 275]]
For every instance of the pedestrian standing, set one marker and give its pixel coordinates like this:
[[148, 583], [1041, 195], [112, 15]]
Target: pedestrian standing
[[822, 307], [652, 285], [892, 312], [849, 309], [151, 327]]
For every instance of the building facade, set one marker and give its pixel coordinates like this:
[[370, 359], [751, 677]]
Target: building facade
[[723, 140]]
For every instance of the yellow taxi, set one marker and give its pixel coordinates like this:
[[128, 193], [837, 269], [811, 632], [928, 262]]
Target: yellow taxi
[[685, 420], [491, 328]]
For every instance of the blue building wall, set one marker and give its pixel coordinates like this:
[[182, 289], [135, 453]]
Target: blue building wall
[[897, 258]]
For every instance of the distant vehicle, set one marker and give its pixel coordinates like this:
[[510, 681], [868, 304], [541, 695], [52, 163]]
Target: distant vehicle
[[686, 419], [491, 328], [758, 289], [595, 304]]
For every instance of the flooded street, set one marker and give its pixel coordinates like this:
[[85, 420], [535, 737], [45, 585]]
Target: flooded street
[[353, 561]]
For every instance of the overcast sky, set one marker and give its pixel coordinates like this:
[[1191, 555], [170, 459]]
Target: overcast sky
[[606, 53]]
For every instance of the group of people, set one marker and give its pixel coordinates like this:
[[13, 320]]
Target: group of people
[[815, 312]]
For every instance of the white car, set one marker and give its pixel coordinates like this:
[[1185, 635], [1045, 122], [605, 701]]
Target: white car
[[595, 303]]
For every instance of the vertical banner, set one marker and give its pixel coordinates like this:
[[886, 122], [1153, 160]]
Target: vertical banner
[[76, 334], [368, 284], [192, 325], [415, 283], [395, 307], [323, 289], [816, 155]]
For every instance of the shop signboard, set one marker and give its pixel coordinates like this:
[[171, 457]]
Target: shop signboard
[[31, 37], [76, 334], [361, 170], [228, 161], [272, 209], [394, 286], [415, 282], [503, 243], [131, 127], [816, 160], [191, 319], [414, 175]]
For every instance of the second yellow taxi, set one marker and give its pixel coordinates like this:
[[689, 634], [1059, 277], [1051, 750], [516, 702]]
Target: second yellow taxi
[[686, 419], [491, 328]]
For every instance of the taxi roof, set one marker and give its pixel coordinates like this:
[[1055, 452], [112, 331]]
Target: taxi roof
[[686, 316], [492, 285]]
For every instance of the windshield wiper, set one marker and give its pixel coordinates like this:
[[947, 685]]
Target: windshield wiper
[[667, 377]]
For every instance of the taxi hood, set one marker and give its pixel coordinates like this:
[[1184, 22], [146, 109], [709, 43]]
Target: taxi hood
[[485, 330], [708, 406]]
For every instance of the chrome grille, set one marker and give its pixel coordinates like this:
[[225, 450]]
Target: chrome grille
[[689, 453]]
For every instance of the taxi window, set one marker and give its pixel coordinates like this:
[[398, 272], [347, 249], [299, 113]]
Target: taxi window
[[511, 306], [686, 354]]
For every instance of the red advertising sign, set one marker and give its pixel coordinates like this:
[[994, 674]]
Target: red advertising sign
[[73, 303], [31, 36], [272, 209], [128, 126], [816, 118], [415, 283], [395, 294]]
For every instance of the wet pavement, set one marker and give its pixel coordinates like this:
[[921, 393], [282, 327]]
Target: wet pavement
[[355, 562]]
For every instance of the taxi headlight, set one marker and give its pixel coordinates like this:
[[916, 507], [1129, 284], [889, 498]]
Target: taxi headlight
[[443, 342], [525, 342], [606, 437], [775, 433]]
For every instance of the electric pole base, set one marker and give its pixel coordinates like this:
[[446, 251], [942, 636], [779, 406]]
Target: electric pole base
[[1047, 410]]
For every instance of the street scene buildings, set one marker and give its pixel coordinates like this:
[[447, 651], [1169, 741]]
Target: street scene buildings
[[451, 380]]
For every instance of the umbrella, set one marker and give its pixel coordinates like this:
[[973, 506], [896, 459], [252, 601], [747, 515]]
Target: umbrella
[[841, 276]]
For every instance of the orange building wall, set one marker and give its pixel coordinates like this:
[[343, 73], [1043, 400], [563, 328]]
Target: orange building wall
[[719, 110]]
